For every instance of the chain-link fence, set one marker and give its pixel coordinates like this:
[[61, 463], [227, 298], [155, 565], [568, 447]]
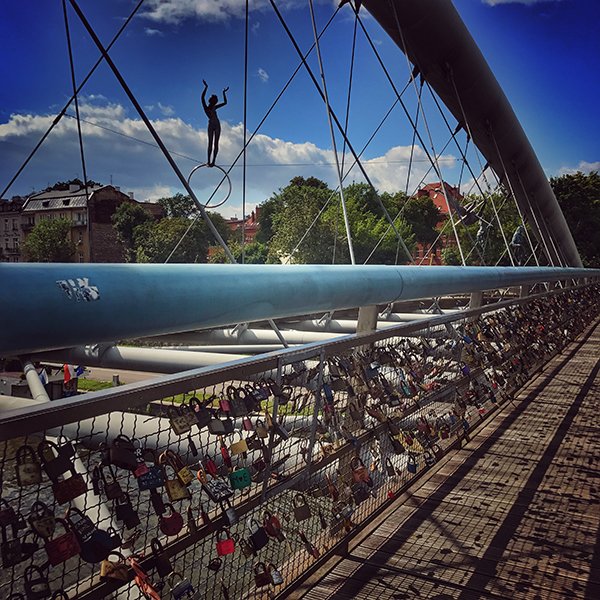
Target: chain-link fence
[[234, 482]]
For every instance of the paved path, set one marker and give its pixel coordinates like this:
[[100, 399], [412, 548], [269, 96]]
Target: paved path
[[515, 514]]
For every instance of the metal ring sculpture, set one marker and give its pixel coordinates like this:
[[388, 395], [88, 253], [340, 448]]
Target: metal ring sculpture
[[225, 175]]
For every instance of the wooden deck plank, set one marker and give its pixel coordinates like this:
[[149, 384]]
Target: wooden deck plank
[[513, 514]]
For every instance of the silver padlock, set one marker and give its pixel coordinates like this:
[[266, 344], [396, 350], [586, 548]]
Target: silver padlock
[[229, 512], [183, 589], [276, 576]]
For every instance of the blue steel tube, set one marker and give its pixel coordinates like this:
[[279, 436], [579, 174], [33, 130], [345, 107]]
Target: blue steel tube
[[51, 306]]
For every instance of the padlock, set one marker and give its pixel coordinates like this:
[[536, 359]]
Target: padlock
[[389, 467], [123, 453], [184, 474], [110, 569], [238, 407], [161, 562], [171, 522], [202, 414], [182, 588], [411, 465], [35, 583], [360, 472], [10, 548], [179, 422], [192, 524], [42, 520], [258, 535], [429, 459], [225, 543], [245, 547], [227, 464], [261, 429], [301, 508], [240, 478], [275, 574], [80, 523], [192, 446], [262, 577], [8, 515], [360, 492], [63, 547], [273, 526], [151, 477], [157, 502], [175, 489], [112, 488], [69, 488], [125, 512], [52, 461], [28, 469], [229, 512]]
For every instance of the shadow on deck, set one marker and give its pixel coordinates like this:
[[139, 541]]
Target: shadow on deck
[[513, 514]]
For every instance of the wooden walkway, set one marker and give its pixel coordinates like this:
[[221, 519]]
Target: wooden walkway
[[515, 514]]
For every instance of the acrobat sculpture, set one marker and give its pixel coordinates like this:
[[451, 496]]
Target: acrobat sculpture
[[214, 125]]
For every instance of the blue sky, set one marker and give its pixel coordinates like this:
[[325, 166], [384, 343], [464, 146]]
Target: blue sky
[[545, 54]]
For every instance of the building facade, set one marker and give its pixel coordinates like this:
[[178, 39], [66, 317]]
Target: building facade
[[10, 229], [90, 214]]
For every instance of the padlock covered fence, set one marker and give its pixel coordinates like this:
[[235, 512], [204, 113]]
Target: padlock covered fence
[[236, 481]]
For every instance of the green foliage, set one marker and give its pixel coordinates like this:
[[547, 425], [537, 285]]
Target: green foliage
[[296, 209], [154, 241], [63, 186], [491, 249], [50, 241], [178, 206], [451, 256], [308, 210], [579, 199], [255, 253], [125, 219]]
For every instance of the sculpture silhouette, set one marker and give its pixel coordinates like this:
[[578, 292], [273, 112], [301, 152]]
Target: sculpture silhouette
[[214, 125]]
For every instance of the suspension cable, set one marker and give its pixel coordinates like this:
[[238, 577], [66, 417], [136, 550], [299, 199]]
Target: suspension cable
[[466, 122], [532, 213], [268, 112], [74, 87], [58, 117], [437, 167], [337, 122], [245, 134], [331, 132], [510, 187], [412, 145]]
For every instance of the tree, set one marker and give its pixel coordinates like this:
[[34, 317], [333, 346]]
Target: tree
[[63, 186], [125, 219], [255, 253], [154, 241], [50, 241], [178, 206], [579, 198], [292, 212], [372, 236]]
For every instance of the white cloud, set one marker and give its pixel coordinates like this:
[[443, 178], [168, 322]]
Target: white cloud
[[175, 11], [263, 75], [141, 168], [255, 26], [153, 32], [166, 110], [583, 166]]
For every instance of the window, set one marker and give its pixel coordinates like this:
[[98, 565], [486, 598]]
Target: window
[[81, 257]]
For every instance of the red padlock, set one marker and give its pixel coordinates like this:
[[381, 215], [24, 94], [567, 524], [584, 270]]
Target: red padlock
[[63, 547], [171, 522], [225, 543]]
